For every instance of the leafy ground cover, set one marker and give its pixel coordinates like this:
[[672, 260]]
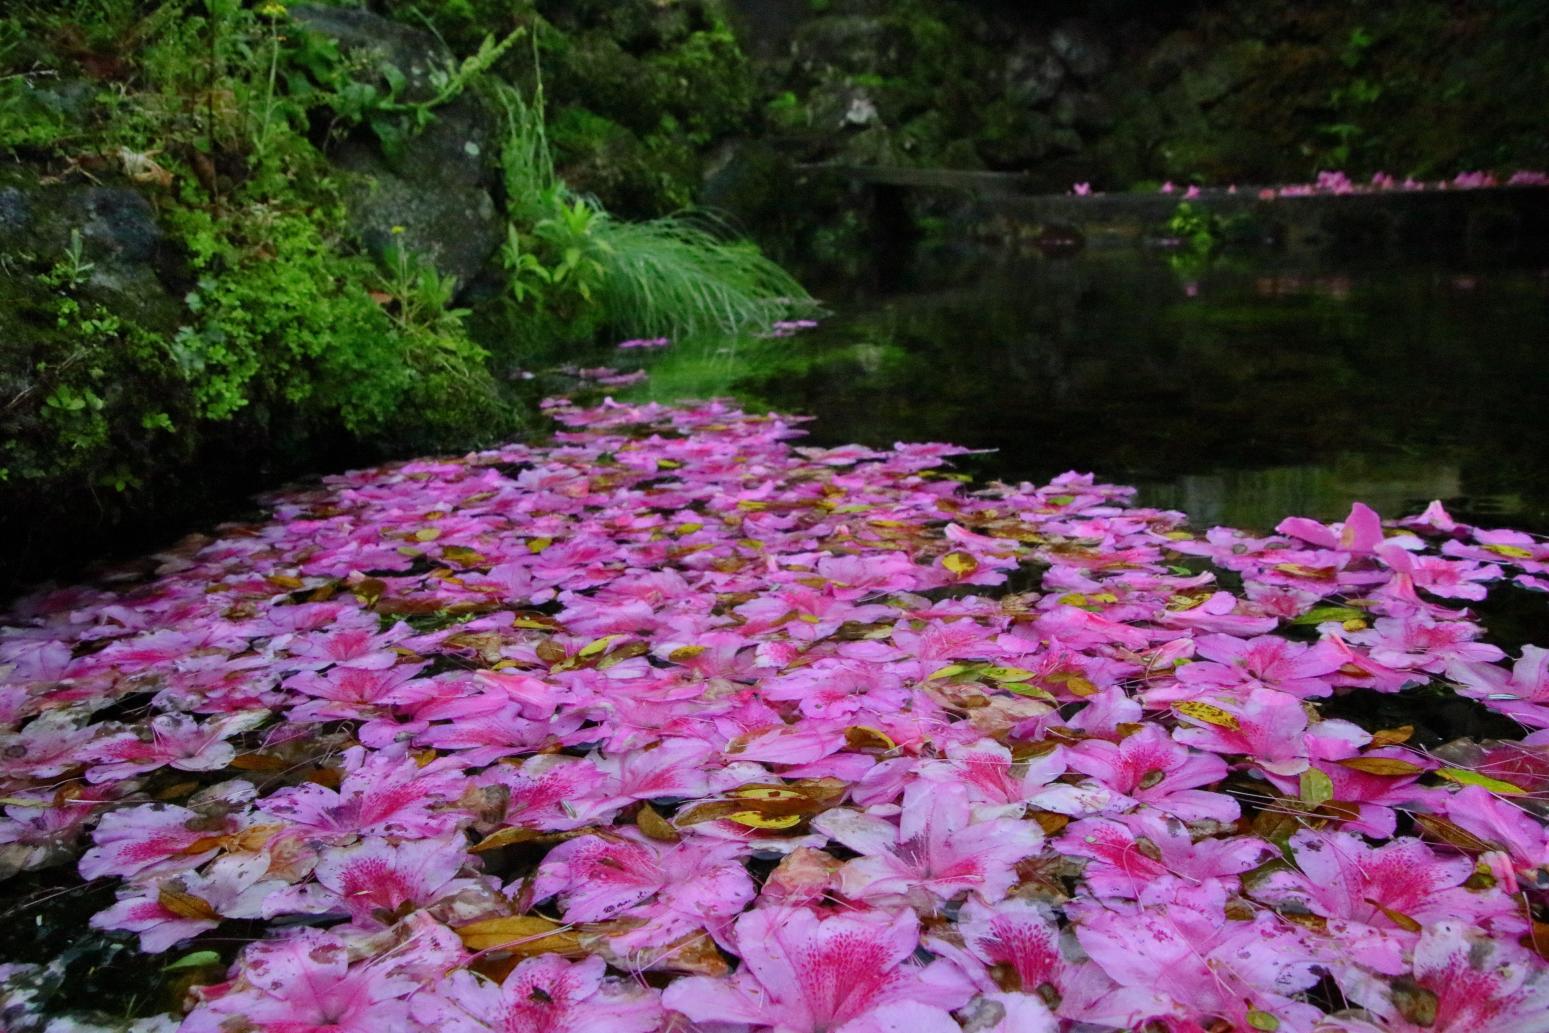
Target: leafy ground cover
[[671, 723]]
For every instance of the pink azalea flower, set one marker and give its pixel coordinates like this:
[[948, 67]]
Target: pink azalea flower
[[1268, 662], [170, 740], [1479, 984], [548, 792], [305, 983], [1522, 693], [151, 839], [1021, 940], [1266, 728], [936, 852], [1222, 612], [1178, 954], [347, 647], [995, 781], [1502, 824], [1450, 579], [672, 768], [1419, 642], [545, 994], [1375, 796], [373, 881], [480, 736], [1360, 533], [803, 974], [41, 828], [380, 795], [1125, 855], [1152, 768], [1390, 887], [175, 909], [674, 889], [353, 693], [51, 744]]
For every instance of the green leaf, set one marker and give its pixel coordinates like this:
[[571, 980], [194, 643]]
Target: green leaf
[[1316, 788], [1462, 776], [1319, 614], [198, 959]]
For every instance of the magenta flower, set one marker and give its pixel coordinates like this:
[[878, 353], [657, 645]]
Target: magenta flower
[[843, 974], [1178, 954], [546, 994], [1266, 728], [1127, 854], [674, 890], [936, 852], [1391, 887], [1463, 982], [170, 740], [306, 984], [1152, 768]]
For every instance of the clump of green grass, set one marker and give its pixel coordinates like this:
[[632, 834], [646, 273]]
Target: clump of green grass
[[679, 275]]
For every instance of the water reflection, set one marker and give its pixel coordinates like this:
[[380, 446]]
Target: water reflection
[[1238, 393]]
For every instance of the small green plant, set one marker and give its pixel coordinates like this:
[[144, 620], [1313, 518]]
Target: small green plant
[[72, 271], [420, 297]]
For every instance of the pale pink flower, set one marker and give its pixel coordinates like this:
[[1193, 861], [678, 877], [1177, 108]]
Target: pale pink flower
[[936, 852], [803, 974], [174, 909], [1125, 855], [374, 881], [305, 983], [169, 740], [1389, 887], [1178, 954], [1152, 768], [1266, 728], [545, 994], [675, 889], [1479, 984]]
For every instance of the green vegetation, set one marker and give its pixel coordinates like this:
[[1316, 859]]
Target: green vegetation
[[256, 307], [668, 276]]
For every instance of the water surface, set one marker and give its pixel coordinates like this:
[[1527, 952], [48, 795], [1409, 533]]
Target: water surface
[[1238, 391]]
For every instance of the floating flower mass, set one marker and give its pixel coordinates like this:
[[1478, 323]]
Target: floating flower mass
[[667, 724]]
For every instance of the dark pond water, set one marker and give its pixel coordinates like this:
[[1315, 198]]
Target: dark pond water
[[1237, 392]]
